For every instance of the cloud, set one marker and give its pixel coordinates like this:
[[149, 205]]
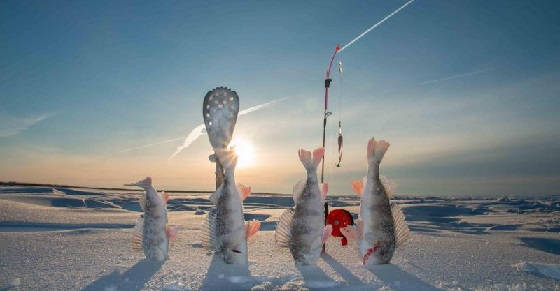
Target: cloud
[[13, 125]]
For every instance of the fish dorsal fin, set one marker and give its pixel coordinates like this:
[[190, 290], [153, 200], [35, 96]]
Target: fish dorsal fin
[[402, 232], [283, 232], [244, 191], [389, 186], [216, 195], [324, 189], [358, 186], [298, 190], [208, 231], [251, 227], [137, 234]]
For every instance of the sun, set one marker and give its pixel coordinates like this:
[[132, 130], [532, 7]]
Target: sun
[[245, 152]]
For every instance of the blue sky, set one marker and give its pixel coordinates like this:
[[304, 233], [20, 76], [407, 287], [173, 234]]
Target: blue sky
[[467, 92]]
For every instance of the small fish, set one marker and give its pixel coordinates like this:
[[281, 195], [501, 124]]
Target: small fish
[[302, 228], [151, 232], [382, 226], [225, 230]]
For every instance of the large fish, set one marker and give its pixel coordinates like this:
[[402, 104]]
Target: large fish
[[151, 232], [302, 228], [381, 227], [226, 231]]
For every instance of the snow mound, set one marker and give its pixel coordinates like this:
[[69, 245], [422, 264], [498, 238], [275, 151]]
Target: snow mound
[[547, 270]]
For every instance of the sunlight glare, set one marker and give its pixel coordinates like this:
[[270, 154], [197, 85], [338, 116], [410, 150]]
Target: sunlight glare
[[245, 152]]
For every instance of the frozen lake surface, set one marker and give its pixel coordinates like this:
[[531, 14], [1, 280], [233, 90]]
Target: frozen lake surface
[[81, 239]]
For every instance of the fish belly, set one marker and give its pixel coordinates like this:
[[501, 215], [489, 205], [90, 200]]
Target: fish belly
[[155, 242], [378, 240], [231, 228], [307, 233]]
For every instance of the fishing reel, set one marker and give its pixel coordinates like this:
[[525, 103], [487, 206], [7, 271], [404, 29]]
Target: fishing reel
[[340, 218]]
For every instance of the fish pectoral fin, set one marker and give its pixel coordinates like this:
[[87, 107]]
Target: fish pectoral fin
[[137, 234], [283, 233], [327, 231], [358, 186], [251, 227], [164, 196], [171, 231], [244, 191], [324, 188]]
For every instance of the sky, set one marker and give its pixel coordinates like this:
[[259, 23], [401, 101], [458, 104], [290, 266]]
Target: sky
[[466, 92]]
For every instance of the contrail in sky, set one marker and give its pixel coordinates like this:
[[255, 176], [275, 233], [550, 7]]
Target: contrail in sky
[[150, 145], [200, 130], [458, 76], [374, 26]]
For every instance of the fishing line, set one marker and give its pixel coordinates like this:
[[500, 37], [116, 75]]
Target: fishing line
[[340, 90]]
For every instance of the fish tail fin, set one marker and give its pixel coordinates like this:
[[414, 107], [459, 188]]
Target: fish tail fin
[[309, 161], [376, 150]]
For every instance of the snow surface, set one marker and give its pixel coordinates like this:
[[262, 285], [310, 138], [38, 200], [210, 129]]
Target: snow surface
[[68, 239]]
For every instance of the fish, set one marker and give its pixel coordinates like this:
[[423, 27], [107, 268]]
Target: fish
[[381, 226], [302, 228], [151, 231], [225, 230]]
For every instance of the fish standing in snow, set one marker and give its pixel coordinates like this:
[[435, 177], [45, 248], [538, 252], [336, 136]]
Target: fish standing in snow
[[226, 231], [302, 228], [151, 232], [382, 226]]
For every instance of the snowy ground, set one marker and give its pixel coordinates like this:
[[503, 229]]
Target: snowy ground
[[80, 239]]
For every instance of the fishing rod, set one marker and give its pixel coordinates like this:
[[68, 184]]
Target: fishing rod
[[326, 114]]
